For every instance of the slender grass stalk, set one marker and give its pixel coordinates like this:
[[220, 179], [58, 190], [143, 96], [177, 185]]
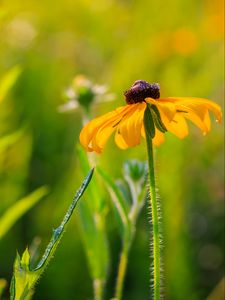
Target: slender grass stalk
[[98, 289], [155, 218], [121, 272]]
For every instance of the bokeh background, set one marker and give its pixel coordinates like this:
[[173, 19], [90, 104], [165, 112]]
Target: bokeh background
[[114, 42]]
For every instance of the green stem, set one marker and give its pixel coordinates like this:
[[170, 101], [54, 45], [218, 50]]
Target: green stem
[[121, 273], [98, 289], [155, 218]]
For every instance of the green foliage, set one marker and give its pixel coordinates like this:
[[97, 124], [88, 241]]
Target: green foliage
[[19, 209], [55, 43], [8, 80], [120, 206], [25, 277], [127, 196], [134, 170], [10, 139], [92, 223]]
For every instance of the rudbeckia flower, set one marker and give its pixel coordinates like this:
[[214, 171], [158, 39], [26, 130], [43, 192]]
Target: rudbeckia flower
[[168, 114]]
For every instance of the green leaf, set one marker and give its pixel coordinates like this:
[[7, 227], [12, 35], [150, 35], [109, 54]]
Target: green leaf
[[24, 277], [120, 205], [19, 209], [8, 80], [10, 139], [93, 234], [92, 225], [157, 119], [148, 122]]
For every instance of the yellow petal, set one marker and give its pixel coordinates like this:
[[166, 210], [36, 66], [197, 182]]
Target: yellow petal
[[89, 134], [143, 131], [130, 126], [197, 117], [178, 126], [119, 140], [199, 104], [102, 135], [196, 110], [207, 121], [159, 138]]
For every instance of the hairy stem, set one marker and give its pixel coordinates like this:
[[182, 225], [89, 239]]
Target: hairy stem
[[155, 218]]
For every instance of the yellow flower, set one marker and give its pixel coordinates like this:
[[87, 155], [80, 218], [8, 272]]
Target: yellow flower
[[127, 121]]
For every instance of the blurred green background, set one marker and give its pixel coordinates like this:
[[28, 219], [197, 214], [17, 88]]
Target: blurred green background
[[176, 43]]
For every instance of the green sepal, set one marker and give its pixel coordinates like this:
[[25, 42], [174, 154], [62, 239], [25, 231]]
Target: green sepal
[[157, 119], [148, 122]]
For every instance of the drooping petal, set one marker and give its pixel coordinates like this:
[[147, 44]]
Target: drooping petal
[[178, 126], [119, 140], [200, 117], [199, 105], [95, 134], [159, 138], [143, 131], [196, 110], [102, 135], [130, 126], [207, 121]]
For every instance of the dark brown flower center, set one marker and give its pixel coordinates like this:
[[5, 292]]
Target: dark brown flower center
[[140, 90]]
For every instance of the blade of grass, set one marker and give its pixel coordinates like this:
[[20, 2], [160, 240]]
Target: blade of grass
[[18, 209], [10, 139], [8, 80]]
